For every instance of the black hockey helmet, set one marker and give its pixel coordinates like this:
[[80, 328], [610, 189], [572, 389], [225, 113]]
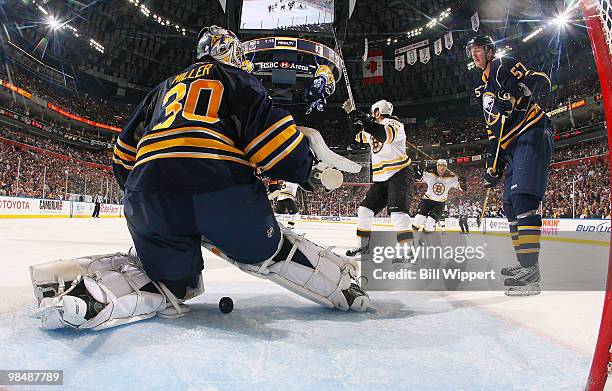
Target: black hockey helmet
[[484, 41]]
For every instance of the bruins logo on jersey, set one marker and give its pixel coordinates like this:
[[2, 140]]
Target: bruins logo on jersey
[[488, 105], [438, 188], [376, 145]]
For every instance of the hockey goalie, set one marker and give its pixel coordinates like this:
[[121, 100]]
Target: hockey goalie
[[187, 161]]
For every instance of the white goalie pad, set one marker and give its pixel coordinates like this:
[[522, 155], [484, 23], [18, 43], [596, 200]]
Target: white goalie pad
[[331, 274], [98, 292]]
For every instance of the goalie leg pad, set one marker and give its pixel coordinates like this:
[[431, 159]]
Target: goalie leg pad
[[99, 292], [323, 281]]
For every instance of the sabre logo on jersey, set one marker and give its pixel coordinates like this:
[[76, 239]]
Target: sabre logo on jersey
[[490, 111], [438, 188]]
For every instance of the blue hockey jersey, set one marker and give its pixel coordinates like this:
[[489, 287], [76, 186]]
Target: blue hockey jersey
[[210, 127], [509, 75]]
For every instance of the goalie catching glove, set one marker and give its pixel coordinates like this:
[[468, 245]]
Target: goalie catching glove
[[328, 164]]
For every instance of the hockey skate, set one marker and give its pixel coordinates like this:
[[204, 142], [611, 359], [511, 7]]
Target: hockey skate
[[512, 270], [358, 251], [357, 299], [524, 283]]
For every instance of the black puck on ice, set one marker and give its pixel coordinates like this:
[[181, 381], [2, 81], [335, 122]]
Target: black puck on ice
[[226, 305]]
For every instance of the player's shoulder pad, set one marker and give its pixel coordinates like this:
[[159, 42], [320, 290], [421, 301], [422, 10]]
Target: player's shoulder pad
[[505, 63], [394, 122]]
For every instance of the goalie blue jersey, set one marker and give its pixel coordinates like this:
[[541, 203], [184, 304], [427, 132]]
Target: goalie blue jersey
[[210, 127], [509, 75]]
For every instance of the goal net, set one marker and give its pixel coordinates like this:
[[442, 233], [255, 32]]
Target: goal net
[[598, 18]]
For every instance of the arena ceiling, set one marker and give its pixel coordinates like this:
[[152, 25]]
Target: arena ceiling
[[144, 45]]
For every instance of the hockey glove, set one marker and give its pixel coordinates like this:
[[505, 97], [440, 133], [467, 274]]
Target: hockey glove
[[322, 174], [491, 178], [348, 106], [356, 120], [504, 102]]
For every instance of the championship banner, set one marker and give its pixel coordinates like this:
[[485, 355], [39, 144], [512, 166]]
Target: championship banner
[[438, 46], [373, 68], [415, 45], [399, 62], [412, 56], [448, 40], [424, 55], [475, 22]]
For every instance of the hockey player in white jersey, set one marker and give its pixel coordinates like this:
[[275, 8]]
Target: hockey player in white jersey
[[286, 202], [392, 172], [431, 206]]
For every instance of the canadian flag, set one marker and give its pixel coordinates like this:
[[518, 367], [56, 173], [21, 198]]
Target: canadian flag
[[373, 68]]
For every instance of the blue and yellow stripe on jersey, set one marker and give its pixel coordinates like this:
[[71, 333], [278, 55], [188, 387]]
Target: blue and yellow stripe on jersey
[[391, 165], [124, 154], [274, 143], [192, 142], [533, 115]]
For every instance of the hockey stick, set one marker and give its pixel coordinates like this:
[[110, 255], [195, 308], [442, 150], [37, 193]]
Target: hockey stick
[[501, 132], [344, 71]]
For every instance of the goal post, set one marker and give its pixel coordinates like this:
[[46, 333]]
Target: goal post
[[598, 18]]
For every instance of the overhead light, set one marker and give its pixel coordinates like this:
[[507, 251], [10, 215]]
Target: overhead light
[[54, 23], [561, 20], [533, 34]]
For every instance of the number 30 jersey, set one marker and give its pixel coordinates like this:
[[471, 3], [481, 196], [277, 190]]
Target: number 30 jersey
[[208, 128]]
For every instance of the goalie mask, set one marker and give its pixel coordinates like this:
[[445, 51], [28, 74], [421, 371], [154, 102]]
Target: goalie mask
[[383, 107], [221, 44]]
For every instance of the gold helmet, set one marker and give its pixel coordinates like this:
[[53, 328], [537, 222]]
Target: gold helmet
[[220, 44]]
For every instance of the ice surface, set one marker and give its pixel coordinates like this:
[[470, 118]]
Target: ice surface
[[275, 340], [255, 15]]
